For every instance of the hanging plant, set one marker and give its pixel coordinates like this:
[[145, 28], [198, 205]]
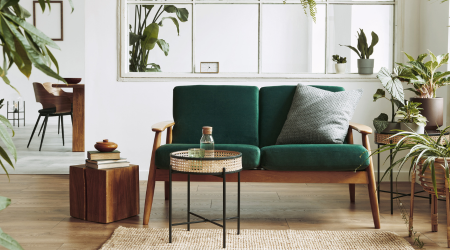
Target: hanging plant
[[309, 5]]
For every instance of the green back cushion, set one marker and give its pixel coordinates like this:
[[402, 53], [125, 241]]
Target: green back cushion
[[232, 111], [274, 105]]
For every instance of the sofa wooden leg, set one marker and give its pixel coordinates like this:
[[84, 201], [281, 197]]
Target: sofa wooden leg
[[151, 180], [351, 189], [372, 185], [166, 190], [434, 213]]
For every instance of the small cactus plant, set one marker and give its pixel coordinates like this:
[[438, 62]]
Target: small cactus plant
[[339, 59]]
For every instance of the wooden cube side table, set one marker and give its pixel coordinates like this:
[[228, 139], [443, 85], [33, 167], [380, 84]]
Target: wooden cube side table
[[104, 195]]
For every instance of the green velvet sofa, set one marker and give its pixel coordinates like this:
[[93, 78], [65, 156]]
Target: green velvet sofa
[[248, 119]]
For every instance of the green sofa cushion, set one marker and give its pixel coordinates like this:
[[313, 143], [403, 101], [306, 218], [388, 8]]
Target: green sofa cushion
[[314, 157], [232, 111], [250, 154], [274, 105]]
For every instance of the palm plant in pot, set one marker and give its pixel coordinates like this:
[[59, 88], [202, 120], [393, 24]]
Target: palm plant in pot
[[364, 51], [427, 79], [392, 84], [341, 63]]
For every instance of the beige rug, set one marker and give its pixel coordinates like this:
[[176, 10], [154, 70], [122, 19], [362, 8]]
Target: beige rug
[[158, 238]]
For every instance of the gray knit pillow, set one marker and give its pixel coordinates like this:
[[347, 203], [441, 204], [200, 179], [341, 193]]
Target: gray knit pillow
[[318, 116]]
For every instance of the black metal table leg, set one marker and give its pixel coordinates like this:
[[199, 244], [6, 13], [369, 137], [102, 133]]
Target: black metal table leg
[[224, 208], [392, 193], [239, 204], [188, 201], [170, 204]]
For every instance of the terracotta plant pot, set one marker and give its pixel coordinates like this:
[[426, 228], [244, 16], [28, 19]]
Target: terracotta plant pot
[[433, 110], [426, 179], [105, 146], [340, 68], [412, 127]]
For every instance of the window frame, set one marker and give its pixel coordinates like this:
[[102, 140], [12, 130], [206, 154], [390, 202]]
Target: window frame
[[122, 54]]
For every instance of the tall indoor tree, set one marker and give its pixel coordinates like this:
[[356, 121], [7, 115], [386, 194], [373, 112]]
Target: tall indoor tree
[[24, 46]]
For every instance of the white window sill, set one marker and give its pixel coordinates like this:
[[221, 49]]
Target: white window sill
[[244, 77]]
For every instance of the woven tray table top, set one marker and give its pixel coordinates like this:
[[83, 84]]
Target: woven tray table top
[[230, 160]]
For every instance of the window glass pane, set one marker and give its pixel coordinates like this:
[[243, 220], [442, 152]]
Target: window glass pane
[[228, 34], [291, 41], [344, 23], [179, 58]]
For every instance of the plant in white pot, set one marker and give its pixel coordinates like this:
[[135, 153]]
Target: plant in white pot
[[410, 117], [341, 63], [425, 83], [364, 51], [393, 85]]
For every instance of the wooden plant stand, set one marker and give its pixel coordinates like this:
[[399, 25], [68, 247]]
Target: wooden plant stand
[[104, 195]]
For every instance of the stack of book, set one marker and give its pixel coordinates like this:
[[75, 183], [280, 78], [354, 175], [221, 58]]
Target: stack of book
[[102, 160]]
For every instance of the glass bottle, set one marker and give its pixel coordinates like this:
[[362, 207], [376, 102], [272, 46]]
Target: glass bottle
[[207, 141]]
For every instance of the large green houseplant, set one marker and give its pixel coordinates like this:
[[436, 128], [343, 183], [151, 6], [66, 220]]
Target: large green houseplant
[[425, 84], [364, 51], [24, 46], [143, 37]]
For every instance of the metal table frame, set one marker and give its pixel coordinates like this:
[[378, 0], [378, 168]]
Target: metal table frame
[[14, 114], [189, 213]]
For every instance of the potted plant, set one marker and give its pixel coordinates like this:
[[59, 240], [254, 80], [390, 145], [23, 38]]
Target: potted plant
[[425, 83], [340, 65], [393, 85], [364, 51], [410, 117]]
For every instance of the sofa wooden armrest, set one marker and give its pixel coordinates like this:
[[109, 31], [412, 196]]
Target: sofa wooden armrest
[[158, 128], [363, 129]]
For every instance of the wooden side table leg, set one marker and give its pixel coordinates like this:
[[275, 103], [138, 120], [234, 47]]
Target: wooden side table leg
[[434, 213], [411, 207]]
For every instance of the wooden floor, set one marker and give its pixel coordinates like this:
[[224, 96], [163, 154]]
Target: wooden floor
[[39, 215]]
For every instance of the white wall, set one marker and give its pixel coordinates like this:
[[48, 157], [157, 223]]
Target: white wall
[[71, 60], [124, 111]]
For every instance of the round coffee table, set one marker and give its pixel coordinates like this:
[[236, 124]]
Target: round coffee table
[[220, 163]]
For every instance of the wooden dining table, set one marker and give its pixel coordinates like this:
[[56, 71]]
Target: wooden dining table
[[78, 115]]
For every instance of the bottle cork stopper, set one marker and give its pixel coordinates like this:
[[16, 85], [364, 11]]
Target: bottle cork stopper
[[207, 130]]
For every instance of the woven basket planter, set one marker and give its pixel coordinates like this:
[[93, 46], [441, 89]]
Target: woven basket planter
[[426, 179], [386, 138]]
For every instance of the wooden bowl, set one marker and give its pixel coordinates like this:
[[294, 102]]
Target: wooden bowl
[[105, 146], [72, 80]]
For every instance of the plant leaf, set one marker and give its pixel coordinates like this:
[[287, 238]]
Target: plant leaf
[[421, 57], [354, 49], [5, 156], [38, 36], [8, 242], [381, 122], [155, 68], [410, 58], [71, 5], [151, 36], [182, 14], [170, 8], [379, 94], [174, 20], [373, 43], [163, 46], [4, 202], [134, 38], [6, 138], [392, 85]]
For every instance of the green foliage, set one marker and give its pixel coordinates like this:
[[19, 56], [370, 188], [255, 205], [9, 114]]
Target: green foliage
[[143, 37], [364, 51], [427, 79], [419, 149], [339, 59], [381, 122], [411, 114], [392, 83], [309, 5], [22, 44], [6, 240], [6, 138]]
